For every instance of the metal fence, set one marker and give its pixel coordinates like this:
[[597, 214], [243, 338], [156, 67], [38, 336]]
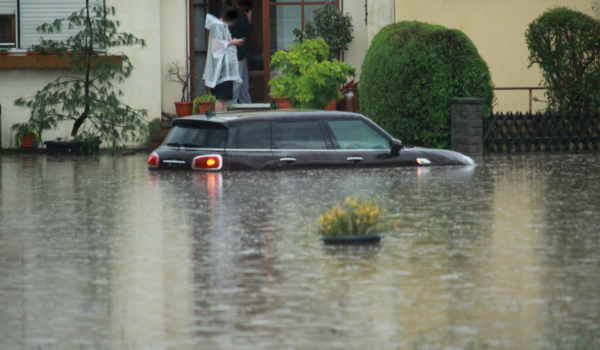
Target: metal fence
[[518, 132]]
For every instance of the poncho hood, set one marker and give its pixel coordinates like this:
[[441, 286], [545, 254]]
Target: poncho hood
[[212, 22]]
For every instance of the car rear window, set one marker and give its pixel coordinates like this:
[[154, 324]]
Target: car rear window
[[197, 135]]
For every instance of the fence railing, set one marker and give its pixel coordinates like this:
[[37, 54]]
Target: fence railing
[[523, 88], [517, 132]]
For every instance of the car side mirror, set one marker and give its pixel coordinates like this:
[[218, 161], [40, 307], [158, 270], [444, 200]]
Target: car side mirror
[[396, 146]]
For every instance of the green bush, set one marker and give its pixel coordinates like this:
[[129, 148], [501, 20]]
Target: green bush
[[566, 46], [410, 71]]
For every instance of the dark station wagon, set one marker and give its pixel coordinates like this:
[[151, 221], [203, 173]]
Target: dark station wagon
[[292, 139]]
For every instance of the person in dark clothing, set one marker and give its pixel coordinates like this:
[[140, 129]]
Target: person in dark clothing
[[242, 29]]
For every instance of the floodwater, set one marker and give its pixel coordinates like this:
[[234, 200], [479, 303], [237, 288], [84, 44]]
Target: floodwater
[[100, 253]]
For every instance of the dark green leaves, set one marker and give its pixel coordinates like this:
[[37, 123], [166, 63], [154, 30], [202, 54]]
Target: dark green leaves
[[410, 71], [565, 44], [334, 27]]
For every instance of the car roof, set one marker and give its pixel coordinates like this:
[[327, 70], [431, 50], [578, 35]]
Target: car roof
[[242, 116]]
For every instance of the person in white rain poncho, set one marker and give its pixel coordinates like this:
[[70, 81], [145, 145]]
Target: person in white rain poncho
[[221, 71]]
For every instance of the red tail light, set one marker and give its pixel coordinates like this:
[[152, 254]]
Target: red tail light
[[153, 160], [212, 162]]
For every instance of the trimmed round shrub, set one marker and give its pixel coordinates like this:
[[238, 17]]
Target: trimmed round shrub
[[565, 44], [410, 71]]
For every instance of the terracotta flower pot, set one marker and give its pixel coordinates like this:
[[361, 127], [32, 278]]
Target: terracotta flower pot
[[204, 106], [283, 103], [184, 109], [3, 53], [28, 141], [332, 106]]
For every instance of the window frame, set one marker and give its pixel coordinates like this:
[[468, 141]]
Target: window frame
[[368, 123], [326, 136], [16, 44]]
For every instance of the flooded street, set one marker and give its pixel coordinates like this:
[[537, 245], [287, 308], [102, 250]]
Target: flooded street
[[100, 253]]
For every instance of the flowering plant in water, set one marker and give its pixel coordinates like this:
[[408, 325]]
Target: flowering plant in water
[[353, 218]]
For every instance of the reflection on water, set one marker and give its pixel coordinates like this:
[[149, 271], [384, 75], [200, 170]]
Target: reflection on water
[[101, 254]]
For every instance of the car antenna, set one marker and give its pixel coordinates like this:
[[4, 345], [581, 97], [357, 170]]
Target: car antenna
[[210, 114]]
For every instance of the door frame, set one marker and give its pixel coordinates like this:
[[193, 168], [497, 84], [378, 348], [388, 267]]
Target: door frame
[[266, 7]]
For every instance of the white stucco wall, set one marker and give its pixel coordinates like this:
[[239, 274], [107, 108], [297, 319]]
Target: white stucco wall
[[380, 14], [174, 36], [141, 90]]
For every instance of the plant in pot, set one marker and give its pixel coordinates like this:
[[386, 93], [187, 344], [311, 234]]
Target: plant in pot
[[177, 73], [308, 79], [87, 96], [204, 103], [27, 136], [353, 222], [3, 52], [330, 24]]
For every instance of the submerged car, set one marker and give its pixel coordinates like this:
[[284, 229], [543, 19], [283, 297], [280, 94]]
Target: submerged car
[[288, 140]]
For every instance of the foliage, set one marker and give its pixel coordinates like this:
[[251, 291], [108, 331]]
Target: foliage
[[331, 25], [307, 78], [177, 73], [353, 218], [88, 96], [22, 130], [3, 50], [206, 97], [410, 71], [565, 44]]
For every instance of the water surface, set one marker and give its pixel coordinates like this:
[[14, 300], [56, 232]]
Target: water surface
[[100, 253]]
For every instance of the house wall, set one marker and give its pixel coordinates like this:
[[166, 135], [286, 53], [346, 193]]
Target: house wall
[[142, 90], [174, 36], [498, 30], [380, 14]]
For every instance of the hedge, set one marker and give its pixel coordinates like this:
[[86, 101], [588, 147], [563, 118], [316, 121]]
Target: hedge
[[410, 71], [565, 44]]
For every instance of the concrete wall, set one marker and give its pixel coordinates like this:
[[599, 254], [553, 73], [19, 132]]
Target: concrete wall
[[145, 86], [498, 30]]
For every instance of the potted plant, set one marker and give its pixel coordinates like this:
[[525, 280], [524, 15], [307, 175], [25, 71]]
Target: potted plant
[[353, 222], [88, 96], [176, 73], [308, 79], [3, 52], [204, 103], [330, 24], [27, 137]]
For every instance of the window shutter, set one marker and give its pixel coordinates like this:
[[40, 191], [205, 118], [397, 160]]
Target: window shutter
[[34, 13], [8, 7]]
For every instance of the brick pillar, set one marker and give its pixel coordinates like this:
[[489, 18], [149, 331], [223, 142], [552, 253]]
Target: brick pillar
[[466, 125]]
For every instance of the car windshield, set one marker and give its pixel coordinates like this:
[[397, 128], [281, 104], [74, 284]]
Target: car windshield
[[197, 135]]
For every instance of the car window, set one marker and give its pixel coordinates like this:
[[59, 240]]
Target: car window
[[197, 135], [254, 135], [356, 134], [305, 134]]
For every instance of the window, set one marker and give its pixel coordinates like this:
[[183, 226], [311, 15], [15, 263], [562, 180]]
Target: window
[[18, 28], [298, 135], [8, 24], [287, 15], [355, 134], [254, 135], [197, 135]]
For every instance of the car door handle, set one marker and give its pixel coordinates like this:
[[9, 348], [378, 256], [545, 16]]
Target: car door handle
[[355, 159], [288, 160]]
